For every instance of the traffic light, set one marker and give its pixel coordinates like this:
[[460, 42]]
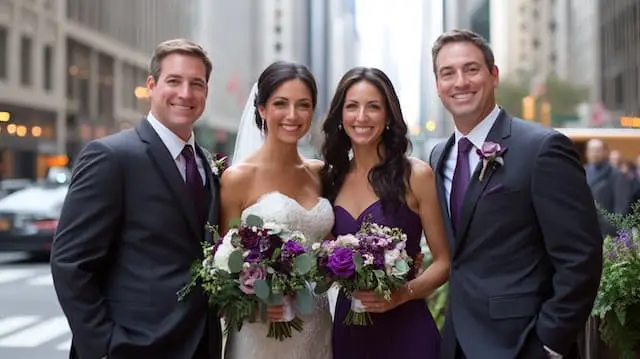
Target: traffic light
[[529, 108], [545, 114]]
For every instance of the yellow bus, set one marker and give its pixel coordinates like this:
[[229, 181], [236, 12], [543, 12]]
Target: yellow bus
[[625, 140]]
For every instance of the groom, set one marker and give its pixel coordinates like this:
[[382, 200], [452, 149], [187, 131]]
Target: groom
[[525, 243], [132, 224]]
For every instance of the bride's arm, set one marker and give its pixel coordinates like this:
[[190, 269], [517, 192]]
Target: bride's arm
[[234, 183], [423, 187]]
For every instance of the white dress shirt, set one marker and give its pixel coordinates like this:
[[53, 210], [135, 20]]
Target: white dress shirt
[[175, 145], [477, 136]]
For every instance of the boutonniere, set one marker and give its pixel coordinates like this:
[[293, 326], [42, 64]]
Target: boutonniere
[[219, 163], [491, 155]]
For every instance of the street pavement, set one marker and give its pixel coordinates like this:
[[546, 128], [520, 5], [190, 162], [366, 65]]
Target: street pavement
[[32, 325]]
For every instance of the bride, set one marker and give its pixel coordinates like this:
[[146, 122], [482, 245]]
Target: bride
[[271, 180]]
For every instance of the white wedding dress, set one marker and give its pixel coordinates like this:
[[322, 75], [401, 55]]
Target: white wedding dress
[[314, 342]]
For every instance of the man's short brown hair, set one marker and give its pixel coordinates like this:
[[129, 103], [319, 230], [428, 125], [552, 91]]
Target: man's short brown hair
[[459, 35], [178, 46]]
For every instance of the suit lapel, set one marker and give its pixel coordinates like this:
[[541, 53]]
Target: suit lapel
[[166, 166], [213, 200], [499, 132], [442, 195]]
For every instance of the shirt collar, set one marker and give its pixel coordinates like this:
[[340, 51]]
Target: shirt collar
[[478, 134], [174, 144]]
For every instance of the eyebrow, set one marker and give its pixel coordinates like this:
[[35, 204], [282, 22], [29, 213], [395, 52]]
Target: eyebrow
[[286, 99], [355, 101], [467, 64], [176, 76]]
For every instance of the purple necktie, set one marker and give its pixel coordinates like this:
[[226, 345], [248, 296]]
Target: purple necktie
[[194, 181], [460, 181]]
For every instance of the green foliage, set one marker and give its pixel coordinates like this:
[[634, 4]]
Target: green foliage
[[618, 301]]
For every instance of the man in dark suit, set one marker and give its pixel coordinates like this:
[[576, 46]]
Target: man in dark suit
[[525, 243], [133, 222], [611, 190]]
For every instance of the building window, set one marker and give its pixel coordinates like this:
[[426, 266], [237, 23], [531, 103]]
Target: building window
[[105, 90], [48, 67], [26, 58], [4, 51]]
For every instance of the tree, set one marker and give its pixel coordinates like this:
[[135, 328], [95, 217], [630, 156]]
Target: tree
[[563, 96]]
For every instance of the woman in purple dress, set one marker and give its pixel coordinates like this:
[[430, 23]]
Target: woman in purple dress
[[381, 184]]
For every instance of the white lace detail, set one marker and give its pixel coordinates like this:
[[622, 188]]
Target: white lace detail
[[314, 342]]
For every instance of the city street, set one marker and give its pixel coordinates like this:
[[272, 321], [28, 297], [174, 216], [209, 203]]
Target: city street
[[31, 322]]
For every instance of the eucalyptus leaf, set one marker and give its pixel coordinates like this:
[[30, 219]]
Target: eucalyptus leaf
[[261, 287], [254, 221], [236, 260], [357, 260], [303, 264], [304, 301], [402, 266]]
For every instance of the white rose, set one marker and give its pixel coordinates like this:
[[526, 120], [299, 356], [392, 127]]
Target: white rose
[[347, 241], [221, 258], [390, 257], [315, 246]]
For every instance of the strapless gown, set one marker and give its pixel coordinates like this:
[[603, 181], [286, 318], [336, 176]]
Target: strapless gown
[[406, 332], [314, 341]]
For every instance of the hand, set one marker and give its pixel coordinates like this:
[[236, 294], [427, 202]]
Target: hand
[[375, 304], [275, 313]]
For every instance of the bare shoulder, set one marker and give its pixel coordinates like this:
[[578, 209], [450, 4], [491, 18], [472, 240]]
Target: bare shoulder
[[420, 171], [238, 176], [314, 165]]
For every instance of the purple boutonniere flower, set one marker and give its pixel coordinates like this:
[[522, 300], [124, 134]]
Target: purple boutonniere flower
[[491, 154]]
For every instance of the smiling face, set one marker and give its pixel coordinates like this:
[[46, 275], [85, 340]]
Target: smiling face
[[178, 96], [465, 84], [364, 114], [288, 111]]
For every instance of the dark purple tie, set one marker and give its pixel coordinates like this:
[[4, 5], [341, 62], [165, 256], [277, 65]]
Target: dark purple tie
[[461, 177], [194, 181]]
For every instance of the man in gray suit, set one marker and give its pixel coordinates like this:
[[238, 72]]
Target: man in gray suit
[[133, 222], [525, 243]]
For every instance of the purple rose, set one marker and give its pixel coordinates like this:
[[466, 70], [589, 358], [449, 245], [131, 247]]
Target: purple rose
[[490, 149], [294, 248], [341, 263], [249, 276], [248, 238]]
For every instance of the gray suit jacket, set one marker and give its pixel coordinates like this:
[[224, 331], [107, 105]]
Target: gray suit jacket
[[527, 259], [126, 240]]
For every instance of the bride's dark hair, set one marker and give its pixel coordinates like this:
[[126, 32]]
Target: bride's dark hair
[[275, 75], [390, 177]]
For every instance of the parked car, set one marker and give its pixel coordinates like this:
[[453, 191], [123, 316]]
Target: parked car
[[9, 186], [29, 217]]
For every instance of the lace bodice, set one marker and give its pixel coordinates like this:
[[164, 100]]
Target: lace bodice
[[315, 223], [314, 342]]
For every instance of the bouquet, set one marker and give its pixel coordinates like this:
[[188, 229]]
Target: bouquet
[[373, 259], [617, 304], [254, 265]]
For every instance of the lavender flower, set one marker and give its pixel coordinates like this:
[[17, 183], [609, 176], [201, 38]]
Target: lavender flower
[[249, 276]]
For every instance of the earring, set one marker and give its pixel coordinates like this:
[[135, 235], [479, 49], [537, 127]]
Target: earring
[[263, 126], [387, 125], [339, 127]]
